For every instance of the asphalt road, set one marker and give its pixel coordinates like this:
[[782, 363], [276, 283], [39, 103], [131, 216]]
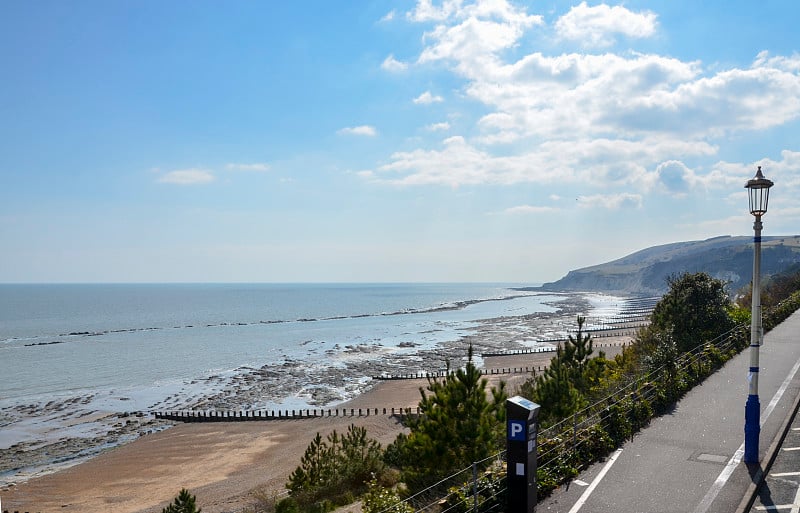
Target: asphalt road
[[780, 490], [689, 461]]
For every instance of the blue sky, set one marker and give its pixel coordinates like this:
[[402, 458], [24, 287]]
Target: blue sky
[[364, 141]]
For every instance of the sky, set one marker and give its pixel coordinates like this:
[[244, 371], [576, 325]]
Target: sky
[[380, 141]]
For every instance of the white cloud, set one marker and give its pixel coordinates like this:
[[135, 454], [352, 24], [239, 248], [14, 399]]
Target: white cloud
[[606, 119], [530, 209], [598, 25], [389, 16], [458, 163], [365, 130], [393, 65], [785, 173], [435, 127], [575, 94], [259, 167], [427, 98], [187, 177], [474, 42], [596, 162], [600, 118], [611, 201], [425, 10]]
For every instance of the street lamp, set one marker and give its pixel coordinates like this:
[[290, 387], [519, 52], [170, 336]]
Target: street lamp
[[758, 189]]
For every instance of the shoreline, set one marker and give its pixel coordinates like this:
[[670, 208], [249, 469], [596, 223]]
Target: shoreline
[[160, 461], [45, 434], [223, 463]]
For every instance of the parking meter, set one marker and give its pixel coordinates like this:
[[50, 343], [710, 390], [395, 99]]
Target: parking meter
[[522, 428]]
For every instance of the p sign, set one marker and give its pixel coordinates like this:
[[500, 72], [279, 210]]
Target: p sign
[[516, 430]]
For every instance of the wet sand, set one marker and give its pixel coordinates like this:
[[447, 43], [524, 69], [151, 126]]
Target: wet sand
[[225, 463]]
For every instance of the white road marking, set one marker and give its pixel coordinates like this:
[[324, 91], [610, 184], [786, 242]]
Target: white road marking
[[796, 503], [578, 505], [789, 449], [784, 474]]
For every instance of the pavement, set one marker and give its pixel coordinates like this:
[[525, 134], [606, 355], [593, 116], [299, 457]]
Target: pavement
[[690, 460]]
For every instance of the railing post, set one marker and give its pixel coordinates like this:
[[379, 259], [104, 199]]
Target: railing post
[[574, 430], [474, 487]]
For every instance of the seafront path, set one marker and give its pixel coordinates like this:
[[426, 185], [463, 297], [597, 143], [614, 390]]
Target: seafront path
[[689, 460]]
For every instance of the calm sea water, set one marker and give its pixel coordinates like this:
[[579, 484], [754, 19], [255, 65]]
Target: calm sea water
[[133, 347]]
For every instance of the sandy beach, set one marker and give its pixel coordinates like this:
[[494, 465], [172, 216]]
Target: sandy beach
[[223, 464]]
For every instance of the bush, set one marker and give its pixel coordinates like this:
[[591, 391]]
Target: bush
[[287, 505], [383, 500], [492, 493]]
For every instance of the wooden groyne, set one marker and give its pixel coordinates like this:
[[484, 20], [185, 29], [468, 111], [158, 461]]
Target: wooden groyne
[[263, 415], [535, 350], [443, 374]]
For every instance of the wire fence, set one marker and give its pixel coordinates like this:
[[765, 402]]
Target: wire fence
[[482, 486]]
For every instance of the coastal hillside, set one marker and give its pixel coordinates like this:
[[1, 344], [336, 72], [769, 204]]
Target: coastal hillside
[[646, 271]]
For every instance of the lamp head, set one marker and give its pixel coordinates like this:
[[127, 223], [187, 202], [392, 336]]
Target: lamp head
[[758, 188]]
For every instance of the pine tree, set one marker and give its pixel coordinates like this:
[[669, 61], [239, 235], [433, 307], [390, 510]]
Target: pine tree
[[362, 457], [555, 390], [458, 422], [335, 465], [310, 474], [562, 389], [183, 503]]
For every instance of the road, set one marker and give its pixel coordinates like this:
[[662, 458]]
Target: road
[[689, 461]]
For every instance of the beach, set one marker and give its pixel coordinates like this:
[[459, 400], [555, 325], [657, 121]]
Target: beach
[[227, 465]]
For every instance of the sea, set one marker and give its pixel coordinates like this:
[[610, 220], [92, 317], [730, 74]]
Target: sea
[[77, 358]]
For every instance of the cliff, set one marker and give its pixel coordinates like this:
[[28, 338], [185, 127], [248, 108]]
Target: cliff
[[645, 272]]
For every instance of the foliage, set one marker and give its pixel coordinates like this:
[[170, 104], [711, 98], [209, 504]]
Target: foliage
[[694, 310], [774, 289], [646, 378], [691, 339], [336, 468], [562, 456], [487, 493], [287, 505], [739, 314], [459, 423], [396, 453], [361, 457], [663, 361], [567, 383], [781, 311], [183, 503], [555, 391], [383, 500]]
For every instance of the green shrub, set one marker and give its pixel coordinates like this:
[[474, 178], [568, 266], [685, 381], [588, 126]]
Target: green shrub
[[287, 505], [383, 500], [489, 493], [183, 503]]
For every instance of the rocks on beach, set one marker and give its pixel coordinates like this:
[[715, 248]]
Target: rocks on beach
[[343, 379]]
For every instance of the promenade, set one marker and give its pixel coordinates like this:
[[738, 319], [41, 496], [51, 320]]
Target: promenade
[[689, 460]]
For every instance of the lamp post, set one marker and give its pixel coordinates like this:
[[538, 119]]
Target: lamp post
[[758, 189]]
